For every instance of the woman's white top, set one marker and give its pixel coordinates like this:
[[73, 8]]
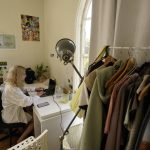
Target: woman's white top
[[13, 101]]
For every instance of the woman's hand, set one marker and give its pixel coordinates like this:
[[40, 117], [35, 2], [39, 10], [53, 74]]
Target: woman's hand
[[39, 89], [40, 93]]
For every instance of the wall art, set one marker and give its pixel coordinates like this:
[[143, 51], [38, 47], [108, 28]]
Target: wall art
[[7, 41], [30, 28]]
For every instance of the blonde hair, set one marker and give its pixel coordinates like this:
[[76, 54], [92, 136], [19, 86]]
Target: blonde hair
[[14, 76]]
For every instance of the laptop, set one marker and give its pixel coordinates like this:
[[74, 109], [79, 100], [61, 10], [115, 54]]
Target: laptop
[[51, 88]]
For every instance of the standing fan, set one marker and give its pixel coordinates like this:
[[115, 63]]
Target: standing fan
[[65, 49]]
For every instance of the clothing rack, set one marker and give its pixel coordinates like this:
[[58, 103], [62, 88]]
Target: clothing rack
[[140, 53], [118, 115], [61, 138], [128, 48]]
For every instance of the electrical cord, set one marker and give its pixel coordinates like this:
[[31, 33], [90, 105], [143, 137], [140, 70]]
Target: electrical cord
[[60, 114]]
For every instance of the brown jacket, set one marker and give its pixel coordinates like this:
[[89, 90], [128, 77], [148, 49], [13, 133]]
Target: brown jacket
[[114, 137]]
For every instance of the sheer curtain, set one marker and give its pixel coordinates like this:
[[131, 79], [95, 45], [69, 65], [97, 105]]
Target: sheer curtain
[[120, 23]]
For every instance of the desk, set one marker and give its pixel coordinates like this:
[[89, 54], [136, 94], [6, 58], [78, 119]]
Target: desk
[[49, 117]]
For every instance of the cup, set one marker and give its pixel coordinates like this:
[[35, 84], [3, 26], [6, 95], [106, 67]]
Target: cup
[[58, 91]]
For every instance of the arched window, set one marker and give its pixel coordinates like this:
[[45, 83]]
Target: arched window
[[85, 37], [83, 33]]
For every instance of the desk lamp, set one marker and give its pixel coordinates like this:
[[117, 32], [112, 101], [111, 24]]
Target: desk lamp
[[65, 49]]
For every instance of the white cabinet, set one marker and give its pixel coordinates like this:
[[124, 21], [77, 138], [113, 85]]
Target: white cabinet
[[55, 118]]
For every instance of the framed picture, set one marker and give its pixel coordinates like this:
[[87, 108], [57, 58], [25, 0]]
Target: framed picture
[[7, 41], [30, 28]]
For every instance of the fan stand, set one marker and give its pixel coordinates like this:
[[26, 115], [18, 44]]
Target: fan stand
[[61, 138], [76, 70]]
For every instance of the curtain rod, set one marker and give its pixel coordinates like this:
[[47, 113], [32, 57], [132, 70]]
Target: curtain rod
[[129, 48]]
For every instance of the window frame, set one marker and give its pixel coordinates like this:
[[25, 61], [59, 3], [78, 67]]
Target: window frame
[[82, 11], [83, 23]]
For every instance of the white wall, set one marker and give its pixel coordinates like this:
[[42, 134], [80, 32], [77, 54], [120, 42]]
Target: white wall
[[60, 22], [57, 20], [27, 53]]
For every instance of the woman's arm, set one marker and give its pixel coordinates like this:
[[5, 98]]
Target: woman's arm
[[19, 98]]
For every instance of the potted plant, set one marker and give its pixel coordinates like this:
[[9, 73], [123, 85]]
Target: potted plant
[[41, 72]]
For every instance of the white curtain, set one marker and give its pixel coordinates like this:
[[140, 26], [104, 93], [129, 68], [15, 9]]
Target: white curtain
[[120, 23]]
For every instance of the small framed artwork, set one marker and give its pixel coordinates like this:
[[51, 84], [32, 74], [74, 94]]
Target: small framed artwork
[[7, 41], [30, 28]]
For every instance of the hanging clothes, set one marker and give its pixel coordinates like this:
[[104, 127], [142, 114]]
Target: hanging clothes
[[114, 136], [90, 78], [144, 69], [131, 63], [81, 95], [116, 75], [142, 141], [98, 61], [141, 111], [114, 86], [145, 81], [144, 92], [132, 105], [112, 104], [94, 122], [122, 87]]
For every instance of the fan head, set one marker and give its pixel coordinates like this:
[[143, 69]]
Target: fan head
[[65, 49]]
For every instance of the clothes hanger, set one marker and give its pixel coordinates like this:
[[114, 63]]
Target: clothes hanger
[[131, 63], [144, 92], [109, 60], [119, 72], [102, 54], [116, 75]]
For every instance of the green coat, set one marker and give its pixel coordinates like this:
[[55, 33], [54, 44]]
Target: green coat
[[94, 122]]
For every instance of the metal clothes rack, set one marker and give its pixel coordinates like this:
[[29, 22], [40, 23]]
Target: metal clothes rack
[[140, 53], [129, 48]]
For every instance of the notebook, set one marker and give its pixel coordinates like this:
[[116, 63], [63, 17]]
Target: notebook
[[51, 88]]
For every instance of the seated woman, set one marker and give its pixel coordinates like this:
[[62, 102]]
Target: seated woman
[[14, 99]]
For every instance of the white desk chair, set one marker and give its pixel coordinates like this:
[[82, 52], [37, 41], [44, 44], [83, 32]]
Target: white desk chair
[[31, 143]]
